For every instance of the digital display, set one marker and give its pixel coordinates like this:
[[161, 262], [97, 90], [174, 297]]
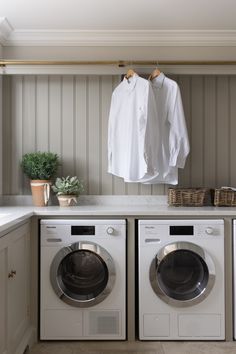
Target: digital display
[[181, 230], [82, 230]]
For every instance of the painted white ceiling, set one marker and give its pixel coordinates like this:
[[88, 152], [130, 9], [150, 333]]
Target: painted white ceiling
[[120, 14], [118, 23]]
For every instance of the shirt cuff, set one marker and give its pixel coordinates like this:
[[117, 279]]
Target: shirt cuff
[[177, 161]]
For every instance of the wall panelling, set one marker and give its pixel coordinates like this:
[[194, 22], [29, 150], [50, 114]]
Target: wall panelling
[[69, 115]]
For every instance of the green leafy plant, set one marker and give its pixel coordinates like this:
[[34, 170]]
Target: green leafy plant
[[68, 186], [40, 165]]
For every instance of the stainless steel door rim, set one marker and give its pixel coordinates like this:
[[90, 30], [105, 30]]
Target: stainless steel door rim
[[182, 274], [88, 254]]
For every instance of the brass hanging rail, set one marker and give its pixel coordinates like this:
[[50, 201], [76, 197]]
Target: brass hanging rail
[[119, 63]]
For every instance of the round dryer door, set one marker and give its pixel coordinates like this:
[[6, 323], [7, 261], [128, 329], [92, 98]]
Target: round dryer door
[[82, 274], [182, 274]]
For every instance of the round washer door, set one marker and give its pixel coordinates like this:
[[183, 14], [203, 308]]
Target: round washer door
[[82, 274], [182, 274]]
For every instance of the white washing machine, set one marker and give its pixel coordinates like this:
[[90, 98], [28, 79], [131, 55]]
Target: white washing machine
[[83, 279], [181, 280]]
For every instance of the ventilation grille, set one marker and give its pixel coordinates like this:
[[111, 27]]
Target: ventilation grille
[[104, 323]]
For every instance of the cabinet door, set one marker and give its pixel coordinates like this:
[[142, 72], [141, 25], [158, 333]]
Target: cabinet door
[[3, 296], [18, 285]]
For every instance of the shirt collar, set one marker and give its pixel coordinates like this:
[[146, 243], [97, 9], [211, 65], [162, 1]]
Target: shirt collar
[[131, 82], [159, 80]]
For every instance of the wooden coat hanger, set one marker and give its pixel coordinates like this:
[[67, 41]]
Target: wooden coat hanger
[[156, 72], [130, 73]]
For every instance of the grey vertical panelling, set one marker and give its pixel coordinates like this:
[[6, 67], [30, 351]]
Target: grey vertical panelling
[[29, 133], [106, 92], [7, 135], [222, 130], [55, 115], [68, 167], [81, 130], [232, 126], [132, 188], [210, 131], [68, 115], [145, 189], [42, 106], [94, 135], [16, 141], [185, 87], [158, 189], [197, 141]]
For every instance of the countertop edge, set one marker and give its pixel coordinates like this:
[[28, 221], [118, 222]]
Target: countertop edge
[[16, 214], [12, 222]]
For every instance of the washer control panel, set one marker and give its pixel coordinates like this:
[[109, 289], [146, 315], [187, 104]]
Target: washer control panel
[[76, 230], [174, 229], [202, 230]]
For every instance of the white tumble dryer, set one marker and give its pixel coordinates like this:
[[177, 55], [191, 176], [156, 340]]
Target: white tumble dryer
[[83, 279], [181, 280]]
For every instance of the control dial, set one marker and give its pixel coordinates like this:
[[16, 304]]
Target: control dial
[[209, 230], [110, 230]]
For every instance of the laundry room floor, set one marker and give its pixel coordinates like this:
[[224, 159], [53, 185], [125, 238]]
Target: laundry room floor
[[134, 348]]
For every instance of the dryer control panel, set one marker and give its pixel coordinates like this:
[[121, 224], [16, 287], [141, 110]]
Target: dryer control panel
[[160, 230]]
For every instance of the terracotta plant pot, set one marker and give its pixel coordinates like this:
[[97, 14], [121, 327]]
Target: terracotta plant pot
[[67, 200], [40, 192]]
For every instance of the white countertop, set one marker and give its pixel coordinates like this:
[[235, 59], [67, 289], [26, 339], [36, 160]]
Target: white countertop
[[133, 210], [16, 209], [12, 215]]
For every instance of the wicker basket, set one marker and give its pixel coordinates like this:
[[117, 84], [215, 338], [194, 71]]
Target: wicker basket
[[225, 197], [195, 197]]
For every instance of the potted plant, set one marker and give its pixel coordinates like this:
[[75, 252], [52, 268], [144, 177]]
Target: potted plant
[[67, 189], [40, 167]]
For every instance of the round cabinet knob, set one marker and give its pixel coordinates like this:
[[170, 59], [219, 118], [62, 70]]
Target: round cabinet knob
[[110, 230], [209, 231]]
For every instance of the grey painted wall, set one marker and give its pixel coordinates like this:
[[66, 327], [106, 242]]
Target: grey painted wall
[[69, 115]]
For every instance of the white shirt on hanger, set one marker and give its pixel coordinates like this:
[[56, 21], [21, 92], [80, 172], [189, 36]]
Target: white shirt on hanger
[[133, 131], [174, 137]]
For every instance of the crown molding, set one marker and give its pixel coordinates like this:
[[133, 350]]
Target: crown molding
[[143, 38], [5, 30], [125, 38]]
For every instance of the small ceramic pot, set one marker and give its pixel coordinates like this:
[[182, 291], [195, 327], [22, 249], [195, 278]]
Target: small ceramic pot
[[67, 200], [40, 191]]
